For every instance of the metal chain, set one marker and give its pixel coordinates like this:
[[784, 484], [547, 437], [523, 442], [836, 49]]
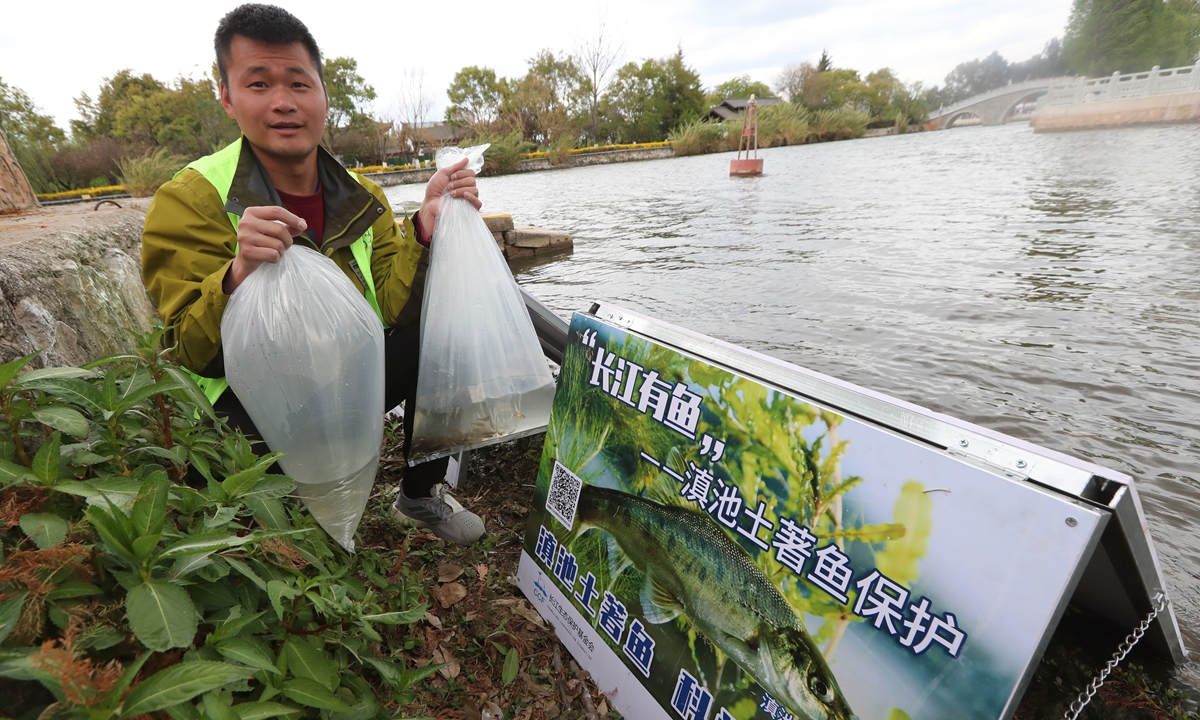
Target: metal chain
[[1160, 604]]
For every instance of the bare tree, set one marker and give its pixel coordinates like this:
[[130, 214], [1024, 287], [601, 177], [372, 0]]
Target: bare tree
[[597, 56], [413, 106]]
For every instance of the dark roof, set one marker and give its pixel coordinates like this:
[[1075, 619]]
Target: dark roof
[[732, 108]]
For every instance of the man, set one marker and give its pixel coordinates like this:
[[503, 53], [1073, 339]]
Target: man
[[227, 213]]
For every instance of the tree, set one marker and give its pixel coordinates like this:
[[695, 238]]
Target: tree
[[976, 76], [597, 56], [844, 90], [549, 101], [1106, 36], [348, 95], [98, 117], [646, 102], [1048, 63], [738, 87], [187, 119], [824, 64], [32, 136], [475, 95], [803, 84]]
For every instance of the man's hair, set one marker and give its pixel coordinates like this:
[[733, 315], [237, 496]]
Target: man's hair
[[265, 23]]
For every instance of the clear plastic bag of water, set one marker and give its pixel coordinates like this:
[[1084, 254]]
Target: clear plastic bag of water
[[483, 377], [304, 354]]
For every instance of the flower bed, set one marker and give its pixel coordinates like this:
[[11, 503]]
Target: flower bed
[[93, 192]]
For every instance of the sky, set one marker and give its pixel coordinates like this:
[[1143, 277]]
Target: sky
[[56, 52]]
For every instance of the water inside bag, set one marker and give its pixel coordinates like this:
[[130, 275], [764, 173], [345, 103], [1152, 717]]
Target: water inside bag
[[304, 354]]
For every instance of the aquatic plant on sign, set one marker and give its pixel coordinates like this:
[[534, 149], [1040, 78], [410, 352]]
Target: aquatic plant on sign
[[151, 563], [648, 514]]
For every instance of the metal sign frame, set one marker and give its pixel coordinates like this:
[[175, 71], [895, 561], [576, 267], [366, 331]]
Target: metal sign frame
[[1123, 574]]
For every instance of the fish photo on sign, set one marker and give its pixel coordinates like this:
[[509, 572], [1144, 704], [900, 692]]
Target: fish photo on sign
[[742, 552]]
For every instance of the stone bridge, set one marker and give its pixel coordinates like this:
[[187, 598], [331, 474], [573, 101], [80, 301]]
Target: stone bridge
[[993, 108]]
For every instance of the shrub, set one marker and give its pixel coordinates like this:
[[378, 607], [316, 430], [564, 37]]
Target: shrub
[[87, 163], [151, 564], [838, 124], [697, 137], [783, 124], [505, 153], [142, 175], [559, 152]]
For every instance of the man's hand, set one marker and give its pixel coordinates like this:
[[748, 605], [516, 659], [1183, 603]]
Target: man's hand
[[264, 233], [461, 184]]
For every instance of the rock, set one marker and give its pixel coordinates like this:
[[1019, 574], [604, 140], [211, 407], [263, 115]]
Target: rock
[[528, 236], [71, 286], [498, 223], [513, 252]]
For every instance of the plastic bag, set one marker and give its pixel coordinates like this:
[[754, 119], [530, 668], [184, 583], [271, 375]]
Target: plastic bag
[[483, 377], [304, 353]]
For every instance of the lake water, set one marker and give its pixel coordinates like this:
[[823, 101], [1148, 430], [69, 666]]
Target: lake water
[[1045, 286]]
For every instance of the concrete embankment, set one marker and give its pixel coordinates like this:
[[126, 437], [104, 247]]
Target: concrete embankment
[[406, 177], [71, 281], [1177, 108]]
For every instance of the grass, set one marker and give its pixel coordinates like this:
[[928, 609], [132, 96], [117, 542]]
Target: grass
[[478, 616], [698, 137], [141, 176]]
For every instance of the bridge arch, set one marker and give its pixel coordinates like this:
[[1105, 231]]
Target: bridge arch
[[961, 115], [1034, 94]]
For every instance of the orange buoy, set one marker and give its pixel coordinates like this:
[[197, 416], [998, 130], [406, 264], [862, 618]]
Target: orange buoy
[[748, 144]]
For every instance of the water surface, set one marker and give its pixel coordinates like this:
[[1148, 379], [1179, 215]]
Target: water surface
[[1044, 286]]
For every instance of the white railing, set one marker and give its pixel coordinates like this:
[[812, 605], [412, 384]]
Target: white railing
[[1027, 86], [1156, 81]]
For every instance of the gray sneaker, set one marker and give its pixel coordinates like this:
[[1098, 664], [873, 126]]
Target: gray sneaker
[[442, 514]]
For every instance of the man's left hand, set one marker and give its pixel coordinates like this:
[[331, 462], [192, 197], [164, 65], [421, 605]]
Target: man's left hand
[[461, 184]]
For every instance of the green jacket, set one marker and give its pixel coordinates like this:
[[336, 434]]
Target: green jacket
[[189, 241]]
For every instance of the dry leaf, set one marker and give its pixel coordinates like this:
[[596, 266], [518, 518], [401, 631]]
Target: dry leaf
[[492, 711], [443, 655], [470, 616], [551, 709], [481, 570], [433, 620], [602, 708], [524, 610], [536, 689], [448, 572], [450, 593], [471, 710]]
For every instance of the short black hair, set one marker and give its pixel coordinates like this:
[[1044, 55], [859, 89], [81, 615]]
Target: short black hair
[[265, 23]]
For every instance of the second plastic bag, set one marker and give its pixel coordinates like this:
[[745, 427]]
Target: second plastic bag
[[304, 354], [483, 377]]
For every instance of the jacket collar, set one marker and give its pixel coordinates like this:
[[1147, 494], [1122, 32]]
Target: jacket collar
[[350, 209]]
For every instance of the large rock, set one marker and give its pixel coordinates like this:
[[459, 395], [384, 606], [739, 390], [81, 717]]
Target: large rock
[[71, 284]]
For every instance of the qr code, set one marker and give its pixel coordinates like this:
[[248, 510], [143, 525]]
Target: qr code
[[563, 495]]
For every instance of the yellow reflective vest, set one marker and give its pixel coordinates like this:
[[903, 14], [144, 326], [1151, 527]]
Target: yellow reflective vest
[[190, 238]]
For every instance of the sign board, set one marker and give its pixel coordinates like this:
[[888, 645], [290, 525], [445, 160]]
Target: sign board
[[713, 540]]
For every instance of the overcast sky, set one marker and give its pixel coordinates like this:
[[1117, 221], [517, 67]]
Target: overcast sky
[[55, 51]]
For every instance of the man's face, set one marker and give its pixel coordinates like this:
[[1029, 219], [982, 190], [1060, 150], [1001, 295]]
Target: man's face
[[276, 96]]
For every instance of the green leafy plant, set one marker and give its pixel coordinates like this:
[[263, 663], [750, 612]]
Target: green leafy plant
[[150, 562]]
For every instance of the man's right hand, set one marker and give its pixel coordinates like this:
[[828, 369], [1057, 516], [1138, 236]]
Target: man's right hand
[[264, 233]]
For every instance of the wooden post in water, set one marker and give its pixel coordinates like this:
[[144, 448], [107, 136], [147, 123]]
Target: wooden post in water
[[15, 191], [748, 144]]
